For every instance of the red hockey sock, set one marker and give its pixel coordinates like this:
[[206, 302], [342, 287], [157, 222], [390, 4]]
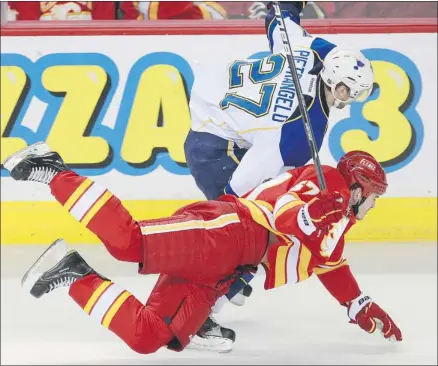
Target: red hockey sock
[[119, 311], [79, 195]]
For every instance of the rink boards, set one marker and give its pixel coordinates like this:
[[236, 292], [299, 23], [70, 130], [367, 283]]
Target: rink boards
[[394, 219], [116, 108]]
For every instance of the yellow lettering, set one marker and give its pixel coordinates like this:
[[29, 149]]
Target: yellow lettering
[[13, 91], [160, 88], [84, 87], [395, 132]]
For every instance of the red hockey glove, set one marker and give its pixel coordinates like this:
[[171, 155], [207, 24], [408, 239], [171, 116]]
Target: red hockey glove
[[326, 209], [369, 316]]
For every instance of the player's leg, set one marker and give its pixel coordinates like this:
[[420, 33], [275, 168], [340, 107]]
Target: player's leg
[[91, 204], [174, 311], [185, 309], [212, 161], [204, 254], [181, 245], [206, 239]]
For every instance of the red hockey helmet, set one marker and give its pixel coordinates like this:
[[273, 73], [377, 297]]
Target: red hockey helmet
[[361, 168]]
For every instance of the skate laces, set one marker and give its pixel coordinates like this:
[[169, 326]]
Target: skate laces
[[61, 282], [42, 174]]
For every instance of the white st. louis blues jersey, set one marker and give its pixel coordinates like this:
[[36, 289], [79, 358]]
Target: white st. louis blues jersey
[[253, 103]]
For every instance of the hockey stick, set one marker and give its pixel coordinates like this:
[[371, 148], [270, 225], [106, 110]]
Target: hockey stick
[[301, 100]]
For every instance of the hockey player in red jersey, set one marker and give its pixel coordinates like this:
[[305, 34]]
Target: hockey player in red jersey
[[160, 10], [285, 224], [61, 10]]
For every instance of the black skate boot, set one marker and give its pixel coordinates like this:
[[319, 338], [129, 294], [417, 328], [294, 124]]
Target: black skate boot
[[35, 163], [67, 269], [213, 337]]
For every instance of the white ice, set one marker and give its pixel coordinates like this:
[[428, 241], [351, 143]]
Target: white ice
[[295, 324]]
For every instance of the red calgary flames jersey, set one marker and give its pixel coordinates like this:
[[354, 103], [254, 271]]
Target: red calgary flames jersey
[[61, 10], [276, 205], [156, 10]]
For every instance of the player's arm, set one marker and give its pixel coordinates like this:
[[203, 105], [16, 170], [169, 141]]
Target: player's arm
[[296, 215], [291, 12], [298, 36], [337, 278], [155, 10], [261, 162]]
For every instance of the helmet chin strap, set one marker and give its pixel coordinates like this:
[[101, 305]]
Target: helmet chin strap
[[339, 103]]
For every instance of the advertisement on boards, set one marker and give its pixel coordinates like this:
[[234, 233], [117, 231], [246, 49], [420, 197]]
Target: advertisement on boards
[[116, 109]]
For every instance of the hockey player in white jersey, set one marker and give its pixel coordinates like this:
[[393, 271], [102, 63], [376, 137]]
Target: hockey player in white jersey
[[246, 123]]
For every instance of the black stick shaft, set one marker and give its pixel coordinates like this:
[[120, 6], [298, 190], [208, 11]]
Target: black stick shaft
[[300, 96]]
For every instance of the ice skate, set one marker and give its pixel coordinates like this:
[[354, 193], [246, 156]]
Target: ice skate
[[35, 163], [213, 337], [56, 267]]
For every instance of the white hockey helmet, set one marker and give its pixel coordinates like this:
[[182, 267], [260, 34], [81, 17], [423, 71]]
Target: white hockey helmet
[[351, 68]]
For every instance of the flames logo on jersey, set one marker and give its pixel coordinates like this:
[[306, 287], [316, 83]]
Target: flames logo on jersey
[[312, 188], [328, 244]]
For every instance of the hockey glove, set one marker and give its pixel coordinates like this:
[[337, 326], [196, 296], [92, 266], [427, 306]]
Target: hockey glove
[[326, 209], [369, 316]]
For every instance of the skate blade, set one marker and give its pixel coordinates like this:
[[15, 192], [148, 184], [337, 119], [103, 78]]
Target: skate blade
[[210, 345], [50, 257], [39, 148]]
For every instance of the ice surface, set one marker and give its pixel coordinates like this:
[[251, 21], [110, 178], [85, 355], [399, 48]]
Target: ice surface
[[295, 324]]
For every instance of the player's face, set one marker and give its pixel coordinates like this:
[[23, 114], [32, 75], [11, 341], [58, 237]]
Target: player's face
[[342, 92], [367, 205]]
